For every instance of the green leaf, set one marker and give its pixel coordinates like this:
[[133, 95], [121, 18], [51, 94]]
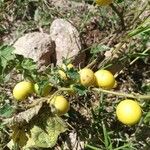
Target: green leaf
[[43, 87], [119, 1], [99, 48], [28, 64], [6, 54], [146, 88], [27, 67], [73, 74], [107, 140], [6, 110], [80, 89], [42, 17]]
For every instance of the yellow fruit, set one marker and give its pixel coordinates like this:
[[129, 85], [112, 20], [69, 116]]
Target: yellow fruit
[[103, 2], [61, 105], [62, 74], [87, 77], [128, 112], [22, 90], [44, 92], [104, 79], [69, 66]]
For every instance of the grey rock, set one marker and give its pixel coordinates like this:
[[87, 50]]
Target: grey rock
[[37, 46], [67, 41]]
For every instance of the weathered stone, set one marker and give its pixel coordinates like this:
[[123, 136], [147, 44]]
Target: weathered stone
[[37, 46], [67, 41]]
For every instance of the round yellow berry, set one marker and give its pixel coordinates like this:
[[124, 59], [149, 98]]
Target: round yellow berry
[[128, 112], [87, 77], [22, 90], [69, 66], [62, 75], [61, 105], [104, 79]]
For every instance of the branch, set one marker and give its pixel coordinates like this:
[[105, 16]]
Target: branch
[[135, 96]]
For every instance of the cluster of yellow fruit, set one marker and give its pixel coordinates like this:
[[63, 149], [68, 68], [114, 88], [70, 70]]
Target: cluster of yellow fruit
[[24, 88], [128, 111], [101, 78]]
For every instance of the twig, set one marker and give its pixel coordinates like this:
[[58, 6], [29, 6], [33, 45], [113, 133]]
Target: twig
[[120, 15]]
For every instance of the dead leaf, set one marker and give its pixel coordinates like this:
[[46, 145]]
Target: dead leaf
[[19, 136], [44, 133], [23, 117]]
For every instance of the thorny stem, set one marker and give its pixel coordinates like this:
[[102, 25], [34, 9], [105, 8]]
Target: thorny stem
[[120, 15], [135, 96]]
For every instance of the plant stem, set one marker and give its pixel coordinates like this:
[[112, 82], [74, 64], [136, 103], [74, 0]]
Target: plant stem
[[91, 147], [135, 96], [48, 99], [120, 15]]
